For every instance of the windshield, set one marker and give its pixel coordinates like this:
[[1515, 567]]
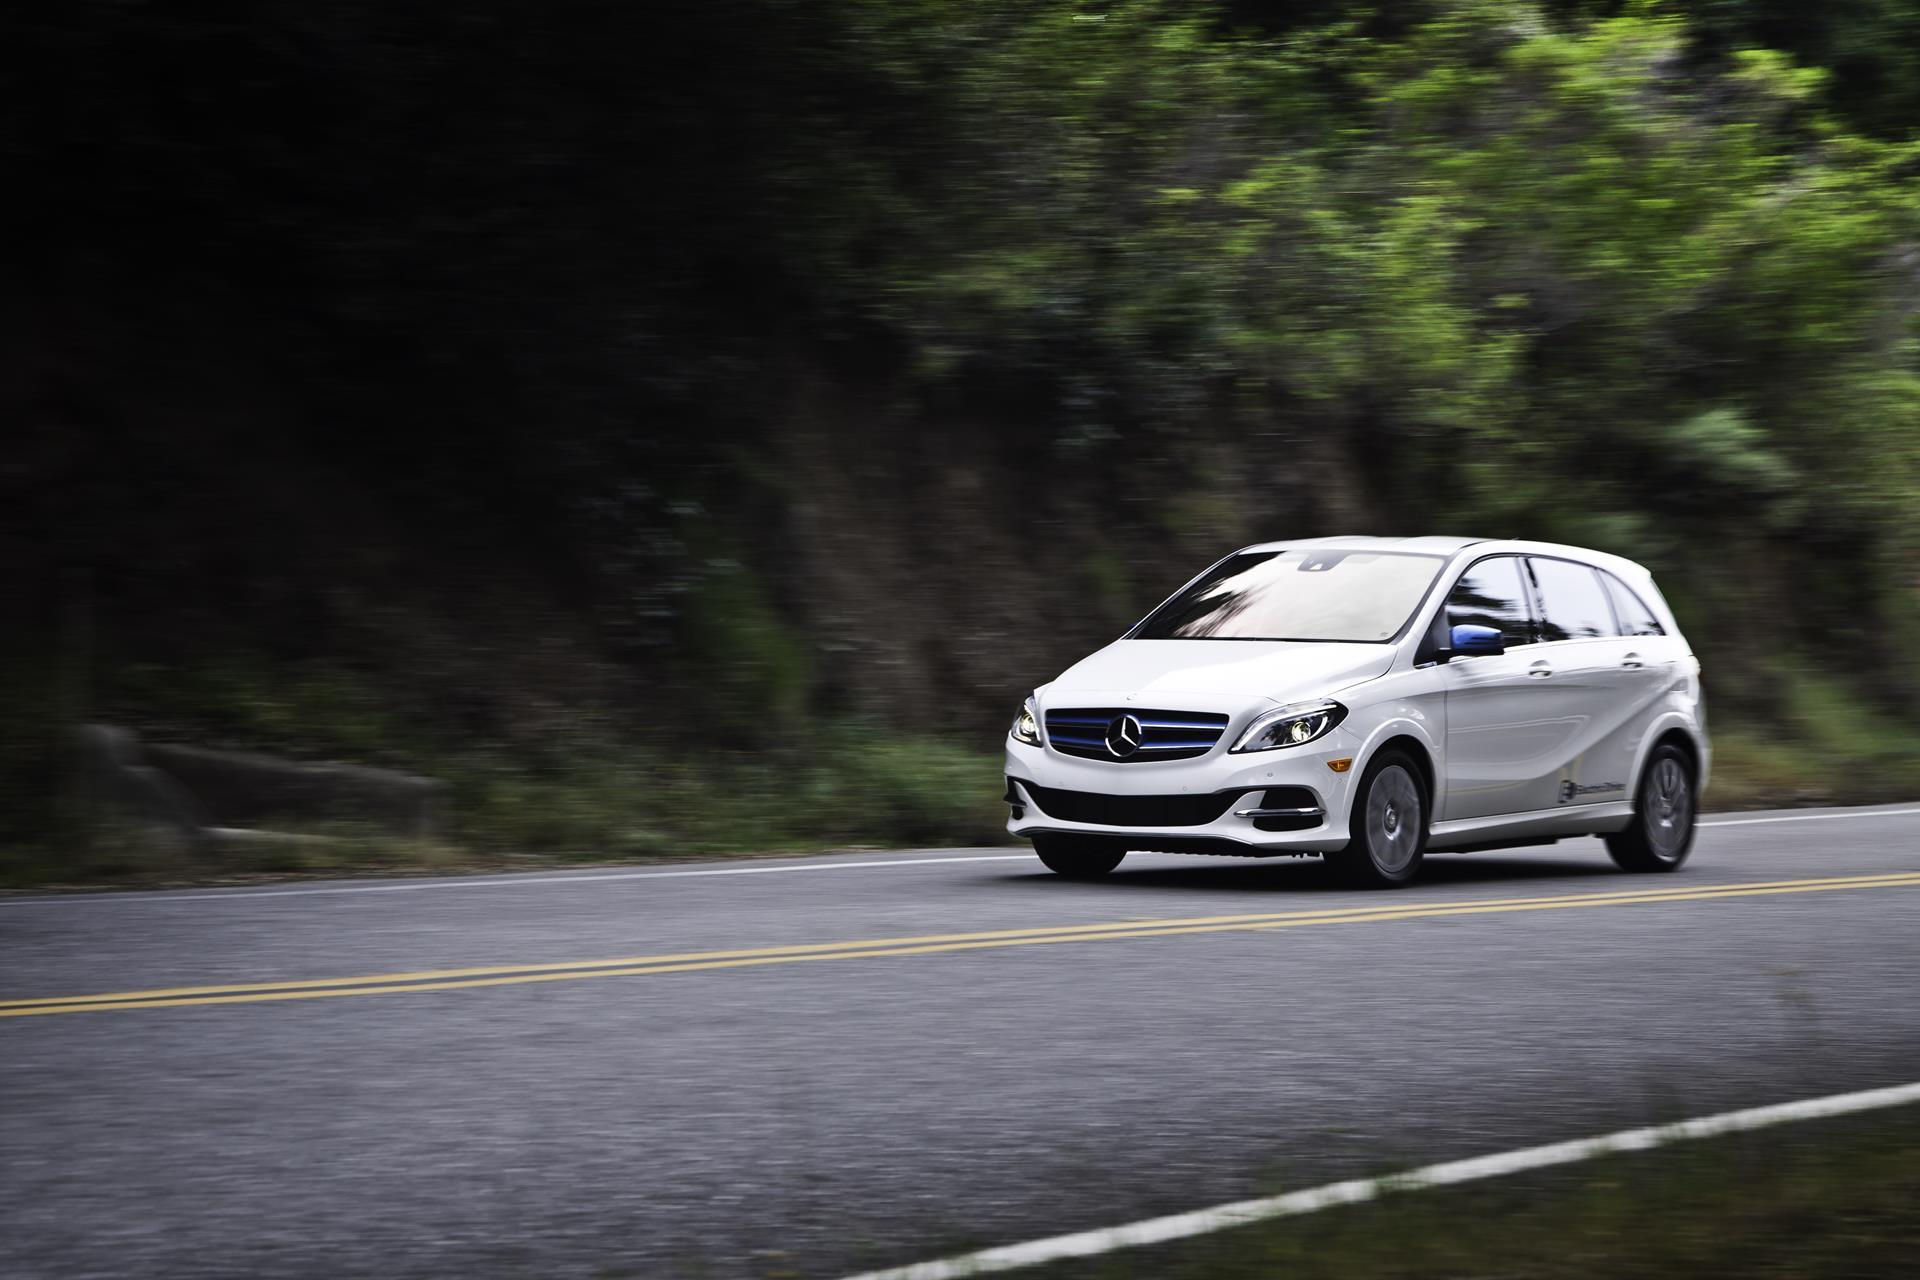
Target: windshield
[[1363, 596]]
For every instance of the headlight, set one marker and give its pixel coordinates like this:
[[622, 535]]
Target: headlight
[[1025, 727], [1291, 726]]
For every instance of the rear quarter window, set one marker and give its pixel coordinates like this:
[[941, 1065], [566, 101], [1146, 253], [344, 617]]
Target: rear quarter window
[[1635, 618]]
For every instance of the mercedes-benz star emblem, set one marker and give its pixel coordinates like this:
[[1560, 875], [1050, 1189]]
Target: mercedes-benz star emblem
[[1123, 737]]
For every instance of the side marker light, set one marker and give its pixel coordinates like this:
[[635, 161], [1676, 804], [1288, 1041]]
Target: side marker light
[[1341, 765]]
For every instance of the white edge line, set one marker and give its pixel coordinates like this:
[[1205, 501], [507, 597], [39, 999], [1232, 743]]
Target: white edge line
[[490, 882], [1180, 1226], [497, 882], [1813, 817]]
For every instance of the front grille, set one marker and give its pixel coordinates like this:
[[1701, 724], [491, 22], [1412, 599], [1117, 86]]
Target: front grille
[[1128, 811], [1164, 735]]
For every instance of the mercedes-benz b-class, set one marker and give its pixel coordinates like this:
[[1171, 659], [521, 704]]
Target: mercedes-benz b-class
[[1370, 700]]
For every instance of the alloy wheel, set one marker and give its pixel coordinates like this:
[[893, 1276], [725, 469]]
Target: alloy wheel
[[1394, 819], [1668, 805]]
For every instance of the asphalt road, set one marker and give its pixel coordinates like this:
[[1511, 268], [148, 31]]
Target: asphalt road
[[807, 1112]]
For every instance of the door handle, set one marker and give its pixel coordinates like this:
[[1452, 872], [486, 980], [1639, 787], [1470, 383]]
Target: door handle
[[1540, 670], [1632, 660]]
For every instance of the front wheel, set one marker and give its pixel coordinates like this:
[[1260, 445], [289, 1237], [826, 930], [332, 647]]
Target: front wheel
[[1661, 834], [1389, 826], [1078, 857]]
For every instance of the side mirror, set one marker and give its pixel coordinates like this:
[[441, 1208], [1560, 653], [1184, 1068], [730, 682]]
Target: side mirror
[[1477, 642]]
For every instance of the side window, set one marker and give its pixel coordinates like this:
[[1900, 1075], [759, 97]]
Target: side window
[[1573, 604], [1635, 618], [1492, 594]]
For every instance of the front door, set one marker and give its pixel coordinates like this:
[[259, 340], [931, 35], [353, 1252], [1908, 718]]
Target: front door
[[1505, 734]]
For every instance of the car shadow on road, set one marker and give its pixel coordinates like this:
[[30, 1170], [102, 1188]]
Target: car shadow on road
[[1311, 875]]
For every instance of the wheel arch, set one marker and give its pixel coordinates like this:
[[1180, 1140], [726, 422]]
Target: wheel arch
[[1422, 757], [1356, 861], [1675, 731], [1412, 725], [1683, 740]]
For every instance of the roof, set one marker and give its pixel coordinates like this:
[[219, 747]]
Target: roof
[[1428, 545], [1435, 545]]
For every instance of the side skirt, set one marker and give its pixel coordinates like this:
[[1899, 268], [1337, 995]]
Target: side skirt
[[1512, 829]]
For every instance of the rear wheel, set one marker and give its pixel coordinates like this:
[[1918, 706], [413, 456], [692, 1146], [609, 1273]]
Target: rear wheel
[[1389, 826], [1661, 834], [1078, 857]]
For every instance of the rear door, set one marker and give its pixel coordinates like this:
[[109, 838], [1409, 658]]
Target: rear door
[[1649, 661], [1595, 687], [1503, 734]]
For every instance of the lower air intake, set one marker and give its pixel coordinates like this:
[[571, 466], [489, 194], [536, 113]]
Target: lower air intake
[[1129, 811]]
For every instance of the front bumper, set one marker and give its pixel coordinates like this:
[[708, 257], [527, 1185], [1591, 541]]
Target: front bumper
[[1032, 771]]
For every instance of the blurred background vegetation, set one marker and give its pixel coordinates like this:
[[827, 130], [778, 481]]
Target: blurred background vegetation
[[690, 427]]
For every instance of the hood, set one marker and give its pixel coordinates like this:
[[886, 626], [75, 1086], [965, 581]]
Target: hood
[[1283, 670]]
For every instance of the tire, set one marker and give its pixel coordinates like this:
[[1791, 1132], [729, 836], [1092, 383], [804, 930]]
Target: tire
[[1391, 811], [1664, 810], [1078, 857]]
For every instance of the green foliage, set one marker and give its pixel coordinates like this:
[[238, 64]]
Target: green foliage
[[315, 710], [749, 670], [1514, 254], [615, 800], [1731, 460]]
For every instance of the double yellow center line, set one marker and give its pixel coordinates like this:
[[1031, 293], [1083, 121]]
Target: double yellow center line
[[1400, 908]]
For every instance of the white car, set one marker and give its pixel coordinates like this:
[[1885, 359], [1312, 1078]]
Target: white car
[[1371, 700]]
